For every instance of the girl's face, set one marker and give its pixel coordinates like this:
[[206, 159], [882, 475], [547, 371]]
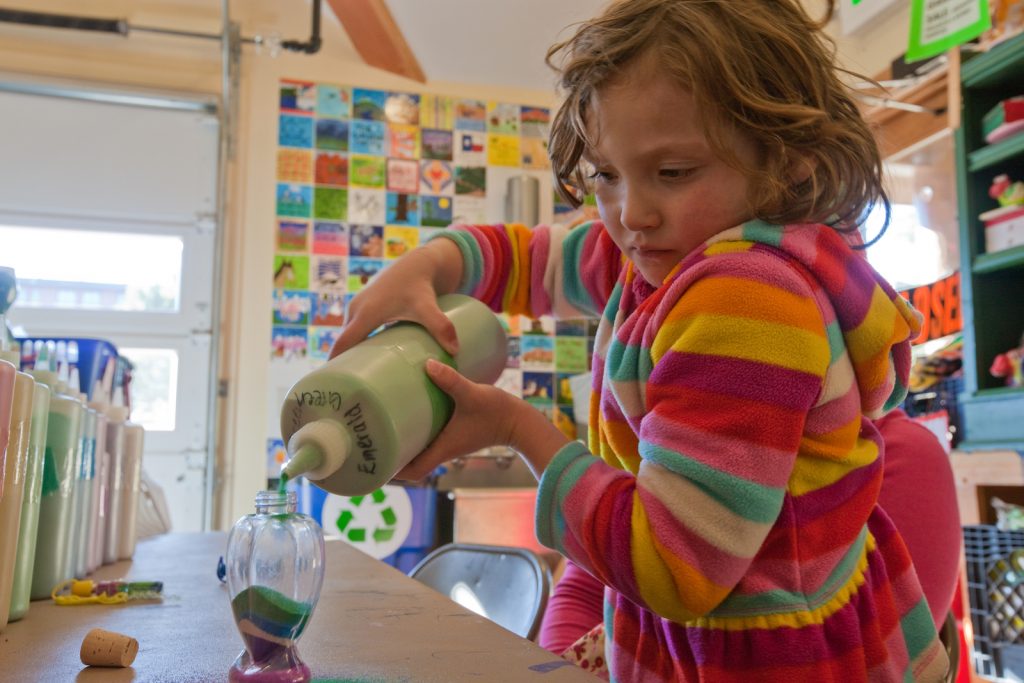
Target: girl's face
[[660, 189]]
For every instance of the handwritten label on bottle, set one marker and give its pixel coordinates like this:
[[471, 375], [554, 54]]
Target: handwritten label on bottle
[[318, 399], [355, 421], [314, 399]]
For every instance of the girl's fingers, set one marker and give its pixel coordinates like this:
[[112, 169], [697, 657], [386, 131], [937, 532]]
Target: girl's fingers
[[441, 375], [356, 329], [407, 475], [440, 327], [359, 327]]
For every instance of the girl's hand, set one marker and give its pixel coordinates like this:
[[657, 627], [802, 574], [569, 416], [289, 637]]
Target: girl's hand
[[485, 416], [407, 290]]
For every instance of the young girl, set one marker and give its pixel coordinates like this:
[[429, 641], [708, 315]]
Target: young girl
[[917, 476], [727, 499]]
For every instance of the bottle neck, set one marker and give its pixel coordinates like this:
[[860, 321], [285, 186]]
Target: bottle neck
[[275, 503]]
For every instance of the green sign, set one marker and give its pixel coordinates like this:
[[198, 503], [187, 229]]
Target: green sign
[[385, 528], [938, 25], [378, 523]]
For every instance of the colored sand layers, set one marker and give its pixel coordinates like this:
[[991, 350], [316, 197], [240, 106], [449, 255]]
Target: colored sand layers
[[269, 621]]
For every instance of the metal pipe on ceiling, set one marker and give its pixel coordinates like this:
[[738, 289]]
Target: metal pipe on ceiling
[[46, 19], [123, 27]]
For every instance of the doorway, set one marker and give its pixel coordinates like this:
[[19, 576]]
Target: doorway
[[108, 214]]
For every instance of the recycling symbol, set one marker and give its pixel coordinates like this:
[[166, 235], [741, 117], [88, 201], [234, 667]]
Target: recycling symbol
[[377, 524]]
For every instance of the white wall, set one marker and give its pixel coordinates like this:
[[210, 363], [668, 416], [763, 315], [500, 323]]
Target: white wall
[[874, 46], [257, 150]]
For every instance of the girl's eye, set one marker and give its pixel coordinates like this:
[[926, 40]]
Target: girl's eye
[[602, 176], [673, 173]]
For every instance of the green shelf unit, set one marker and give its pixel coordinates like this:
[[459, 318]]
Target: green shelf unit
[[992, 285], [1001, 151], [999, 260], [993, 419], [997, 68], [1002, 392]]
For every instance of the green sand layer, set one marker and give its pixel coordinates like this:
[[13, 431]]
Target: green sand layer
[[269, 605]]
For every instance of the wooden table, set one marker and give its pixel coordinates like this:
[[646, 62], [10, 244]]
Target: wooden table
[[373, 624]]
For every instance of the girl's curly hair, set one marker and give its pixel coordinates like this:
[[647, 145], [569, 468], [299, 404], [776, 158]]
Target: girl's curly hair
[[761, 67]]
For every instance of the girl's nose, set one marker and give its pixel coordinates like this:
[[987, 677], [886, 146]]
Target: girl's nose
[[637, 212]]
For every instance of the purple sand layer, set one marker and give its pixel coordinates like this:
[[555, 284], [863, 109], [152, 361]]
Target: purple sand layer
[[280, 665], [264, 651]]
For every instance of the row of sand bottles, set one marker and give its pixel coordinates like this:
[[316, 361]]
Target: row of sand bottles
[[70, 471]]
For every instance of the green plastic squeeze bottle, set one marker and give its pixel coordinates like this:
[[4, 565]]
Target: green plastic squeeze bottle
[[352, 423], [26, 556]]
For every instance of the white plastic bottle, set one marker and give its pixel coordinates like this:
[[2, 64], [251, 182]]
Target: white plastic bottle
[[115, 483], [352, 423], [78, 486], [8, 373], [132, 479], [31, 495], [98, 513], [83, 504], [63, 451], [14, 470]]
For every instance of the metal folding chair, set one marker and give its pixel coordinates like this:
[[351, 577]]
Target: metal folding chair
[[509, 586]]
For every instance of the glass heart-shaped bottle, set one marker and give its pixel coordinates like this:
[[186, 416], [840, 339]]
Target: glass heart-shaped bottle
[[275, 568]]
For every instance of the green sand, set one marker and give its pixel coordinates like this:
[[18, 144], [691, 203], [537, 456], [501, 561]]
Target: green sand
[[270, 605]]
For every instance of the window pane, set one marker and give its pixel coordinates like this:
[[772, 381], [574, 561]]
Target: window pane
[[921, 245], [84, 269], [908, 254], [154, 387]]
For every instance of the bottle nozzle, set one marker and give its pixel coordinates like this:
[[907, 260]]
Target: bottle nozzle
[[319, 449], [306, 459], [43, 359], [8, 292]]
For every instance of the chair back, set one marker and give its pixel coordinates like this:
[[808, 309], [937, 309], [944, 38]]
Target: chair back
[[509, 586]]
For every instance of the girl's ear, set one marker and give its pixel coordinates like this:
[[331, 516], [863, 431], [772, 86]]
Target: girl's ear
[[801, 166]]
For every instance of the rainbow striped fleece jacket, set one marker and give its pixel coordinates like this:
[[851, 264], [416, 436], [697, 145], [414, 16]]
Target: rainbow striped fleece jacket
[[727, 498]]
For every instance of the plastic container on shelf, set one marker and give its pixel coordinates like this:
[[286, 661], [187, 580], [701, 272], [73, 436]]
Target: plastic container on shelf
[[1004, 228], [100, 483], [63, 450], [89, 355], [1004, 120], [29, 524], [131, 480], [115, 484], [78, 484], [8, 373], [14, 465], [83, 504]]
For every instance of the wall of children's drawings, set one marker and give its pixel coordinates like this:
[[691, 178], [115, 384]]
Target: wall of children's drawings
[[364, 176]]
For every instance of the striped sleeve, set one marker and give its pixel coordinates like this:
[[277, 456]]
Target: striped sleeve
[[549, 270], [736, 361]]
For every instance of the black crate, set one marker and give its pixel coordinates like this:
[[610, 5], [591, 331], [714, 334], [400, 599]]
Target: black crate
[[943, 395], [996, 593], [1009, 660]]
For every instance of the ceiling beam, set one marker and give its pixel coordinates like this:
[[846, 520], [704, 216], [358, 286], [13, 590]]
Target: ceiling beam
[[376, 36]]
